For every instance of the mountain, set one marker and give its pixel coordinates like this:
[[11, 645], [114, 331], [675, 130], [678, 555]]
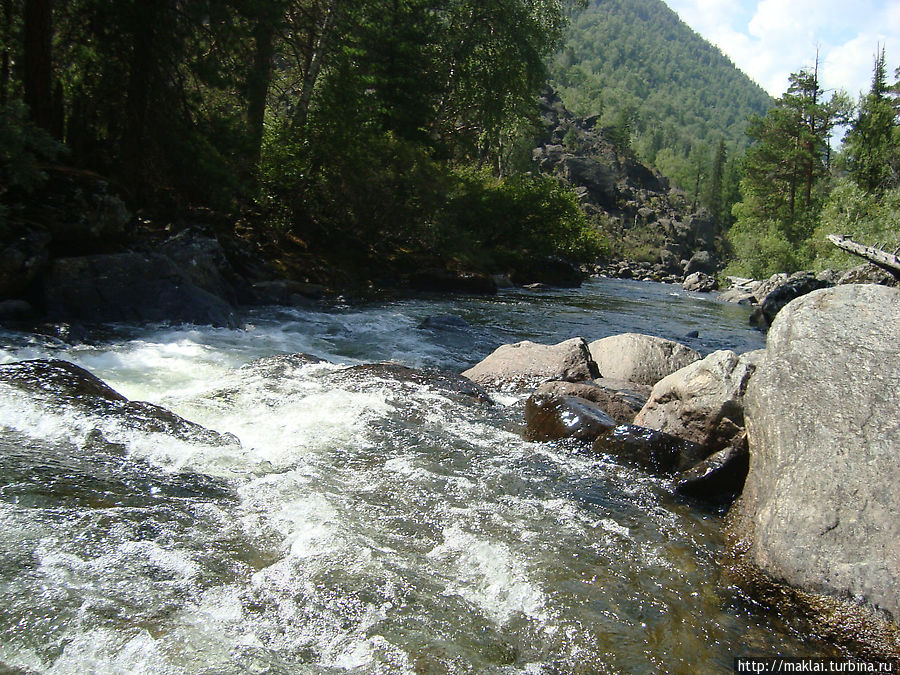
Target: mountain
[[669, 92]]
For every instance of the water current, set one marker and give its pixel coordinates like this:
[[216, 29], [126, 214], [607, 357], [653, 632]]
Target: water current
[[353, 522]]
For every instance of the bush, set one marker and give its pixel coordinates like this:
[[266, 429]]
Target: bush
[[496, 222], [761, 250]]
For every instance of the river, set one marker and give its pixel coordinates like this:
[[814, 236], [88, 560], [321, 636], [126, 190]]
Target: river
[[356, 523]]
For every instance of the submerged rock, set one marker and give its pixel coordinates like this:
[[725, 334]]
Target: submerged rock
[[817, 524], [443, 381], [644, 359], [654, 450], [551, 417], [527, 364], [444, 322]]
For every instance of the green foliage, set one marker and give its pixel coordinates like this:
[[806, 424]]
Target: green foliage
[[635, 60], [761, 250], [785, 179], [23, 147], [872, 146], [866, 217], [500, 222]]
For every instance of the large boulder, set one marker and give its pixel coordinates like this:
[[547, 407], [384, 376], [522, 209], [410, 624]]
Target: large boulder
[[527, 364], [130, 287], [703, 402], [817, 524], [644, 359]]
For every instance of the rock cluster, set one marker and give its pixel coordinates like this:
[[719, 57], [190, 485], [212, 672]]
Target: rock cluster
[[807, 432], [692, 411]]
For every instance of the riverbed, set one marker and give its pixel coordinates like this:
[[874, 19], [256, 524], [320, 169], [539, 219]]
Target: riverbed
[[353, 522]]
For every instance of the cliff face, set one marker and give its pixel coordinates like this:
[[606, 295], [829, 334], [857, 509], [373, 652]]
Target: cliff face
[[634, 205]]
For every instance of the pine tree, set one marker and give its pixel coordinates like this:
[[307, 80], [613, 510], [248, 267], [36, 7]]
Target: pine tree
[[872, 145]]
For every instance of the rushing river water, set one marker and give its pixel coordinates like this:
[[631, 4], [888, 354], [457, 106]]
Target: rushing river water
[[354, 522]]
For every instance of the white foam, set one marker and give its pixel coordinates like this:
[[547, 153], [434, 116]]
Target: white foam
[[488, 575]]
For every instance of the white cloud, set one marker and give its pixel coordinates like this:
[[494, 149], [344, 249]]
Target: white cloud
[[770, 39]]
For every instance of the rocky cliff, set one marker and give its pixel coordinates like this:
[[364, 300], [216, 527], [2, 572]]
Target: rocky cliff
[[647, 219]]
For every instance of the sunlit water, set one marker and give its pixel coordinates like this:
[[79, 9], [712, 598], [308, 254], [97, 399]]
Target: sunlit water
[[356, 523]]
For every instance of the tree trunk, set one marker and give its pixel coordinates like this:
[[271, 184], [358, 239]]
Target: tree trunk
[[5, 58], [886, 261], [39, 62], [320, 44], [258, 85]]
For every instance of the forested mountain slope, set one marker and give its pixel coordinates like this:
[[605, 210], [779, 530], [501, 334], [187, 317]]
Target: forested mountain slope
[[668, 91]]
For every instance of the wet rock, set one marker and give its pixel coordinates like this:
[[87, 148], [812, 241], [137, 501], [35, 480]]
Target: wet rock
[[620, 399], [443, 381], [653, 450], [130, 287], [551, 417], [60, 384], [527, 364], [703, 402], [719, 478], [644, 359], [816, 526], [698, 282]]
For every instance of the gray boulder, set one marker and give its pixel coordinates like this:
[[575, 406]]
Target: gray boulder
[[644, 359], [701, 261], [527, 364], [699, 282], [817, 524], [703, 402]]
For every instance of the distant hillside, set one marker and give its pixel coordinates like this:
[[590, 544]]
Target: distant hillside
[[669, 91]]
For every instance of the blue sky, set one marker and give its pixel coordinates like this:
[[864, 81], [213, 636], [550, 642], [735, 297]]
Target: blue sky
[[770, 39]]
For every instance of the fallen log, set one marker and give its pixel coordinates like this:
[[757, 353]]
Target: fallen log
[[883, 259]]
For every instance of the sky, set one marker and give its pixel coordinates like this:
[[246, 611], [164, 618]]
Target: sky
[[770, 39]]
